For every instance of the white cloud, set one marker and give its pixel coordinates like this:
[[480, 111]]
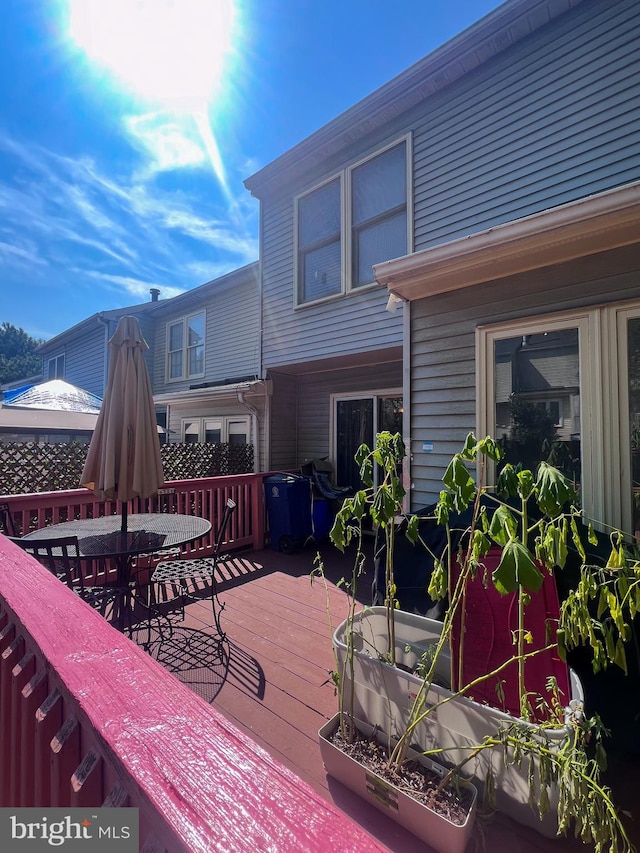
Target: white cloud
[[87, 223], [28, 254], [168, 142], [133, 286]]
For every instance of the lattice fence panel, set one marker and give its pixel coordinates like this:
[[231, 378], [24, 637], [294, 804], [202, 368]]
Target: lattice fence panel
[[27, 467]]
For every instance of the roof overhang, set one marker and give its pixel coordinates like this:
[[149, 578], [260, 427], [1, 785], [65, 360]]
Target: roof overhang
[[42, 420], [215, 392], [581, 228]]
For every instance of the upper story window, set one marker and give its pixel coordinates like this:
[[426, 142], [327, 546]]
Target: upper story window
[[348, 224], [55, 367], [320, 242], [185, 347], [378, 212]]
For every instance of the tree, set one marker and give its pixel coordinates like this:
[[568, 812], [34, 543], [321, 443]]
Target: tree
[[18, 357]]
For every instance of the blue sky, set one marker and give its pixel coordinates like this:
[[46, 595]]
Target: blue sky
[[108, 187]]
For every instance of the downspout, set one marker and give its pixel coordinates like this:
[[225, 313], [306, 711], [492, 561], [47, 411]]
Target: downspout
[[407, 466], [262, 373], [254, 427], [407, 473]]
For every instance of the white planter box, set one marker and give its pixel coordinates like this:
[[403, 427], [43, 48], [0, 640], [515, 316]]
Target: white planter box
[[434, 829], [383, 696]]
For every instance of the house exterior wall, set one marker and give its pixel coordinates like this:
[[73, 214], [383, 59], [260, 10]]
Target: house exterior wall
[[548, 121], [284, 422], [86, 348], [443, 349], [228, 407], [231, 333], [84, 360], [353, 323]]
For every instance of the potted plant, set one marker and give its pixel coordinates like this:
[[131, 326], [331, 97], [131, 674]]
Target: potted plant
[[437, 805], [398, 671]]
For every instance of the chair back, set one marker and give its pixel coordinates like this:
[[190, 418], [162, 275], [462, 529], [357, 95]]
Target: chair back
[[60, 556], [7, 525], [229, 509]]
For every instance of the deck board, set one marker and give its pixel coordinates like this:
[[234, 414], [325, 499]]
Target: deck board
[[272, 681]]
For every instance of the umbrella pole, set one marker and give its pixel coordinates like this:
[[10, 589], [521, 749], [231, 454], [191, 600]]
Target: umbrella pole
[[123, 525]]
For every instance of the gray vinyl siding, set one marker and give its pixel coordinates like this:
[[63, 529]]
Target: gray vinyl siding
[[83, 360], [224, 407], [443, 396], [314, 410], [551, 119], [545, 123], [353, 323], [231, 335], [284, 422]]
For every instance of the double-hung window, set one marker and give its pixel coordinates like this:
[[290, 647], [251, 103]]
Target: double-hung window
[[185, 347], [354, 220], [320, 243], [378, 212], [55, 367]]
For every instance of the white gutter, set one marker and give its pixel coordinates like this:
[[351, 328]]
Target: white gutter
[[218, 392], [593, 224]]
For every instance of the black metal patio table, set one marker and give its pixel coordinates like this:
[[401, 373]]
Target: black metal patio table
[[102, 538]]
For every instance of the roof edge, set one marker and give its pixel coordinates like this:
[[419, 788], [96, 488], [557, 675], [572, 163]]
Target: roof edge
[[570, 231]]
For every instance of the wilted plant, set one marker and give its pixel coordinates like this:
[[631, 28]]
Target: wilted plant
[[532, 518]]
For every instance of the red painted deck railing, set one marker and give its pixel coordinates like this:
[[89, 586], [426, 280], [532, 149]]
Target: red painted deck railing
[[88, 719], [205, 497]]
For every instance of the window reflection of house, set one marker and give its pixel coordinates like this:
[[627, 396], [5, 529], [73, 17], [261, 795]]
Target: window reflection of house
[[543, 369]]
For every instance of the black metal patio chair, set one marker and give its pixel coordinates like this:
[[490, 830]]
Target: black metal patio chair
[[184, 575], [7, 524], [61, 556]]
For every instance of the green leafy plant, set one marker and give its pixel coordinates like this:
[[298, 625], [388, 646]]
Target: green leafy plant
[[532, 518]]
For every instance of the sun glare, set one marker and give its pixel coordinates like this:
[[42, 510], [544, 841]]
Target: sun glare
[[172, 52]]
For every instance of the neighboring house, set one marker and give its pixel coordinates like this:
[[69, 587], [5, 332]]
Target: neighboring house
[[524, 289], [203, 359], [48, 413], [206, 368], [80, 354]]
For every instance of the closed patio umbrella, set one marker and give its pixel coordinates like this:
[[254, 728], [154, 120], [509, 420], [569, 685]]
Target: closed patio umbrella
[[123, 461]]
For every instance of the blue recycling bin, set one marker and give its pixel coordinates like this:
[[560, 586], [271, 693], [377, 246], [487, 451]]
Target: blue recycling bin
[[288, 500]]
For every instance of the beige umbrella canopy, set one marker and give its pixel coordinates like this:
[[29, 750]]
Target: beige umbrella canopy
[[124, 461]]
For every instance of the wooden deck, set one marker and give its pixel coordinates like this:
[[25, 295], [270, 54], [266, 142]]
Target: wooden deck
[[271, 679]]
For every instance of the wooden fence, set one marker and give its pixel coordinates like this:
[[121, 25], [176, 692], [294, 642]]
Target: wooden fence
[[204, 497], [88, 719]]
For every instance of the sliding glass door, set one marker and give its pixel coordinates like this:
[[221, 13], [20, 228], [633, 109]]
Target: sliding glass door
[[357, 420]]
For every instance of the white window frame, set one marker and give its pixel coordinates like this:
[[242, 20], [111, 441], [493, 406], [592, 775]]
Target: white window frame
[[618, 424], [185, 347], [604, 401], [596, 501], [57, 373], [346, 227], [375, 396], [226, 422]]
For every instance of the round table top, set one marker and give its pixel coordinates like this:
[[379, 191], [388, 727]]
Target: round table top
[[146, 532]]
